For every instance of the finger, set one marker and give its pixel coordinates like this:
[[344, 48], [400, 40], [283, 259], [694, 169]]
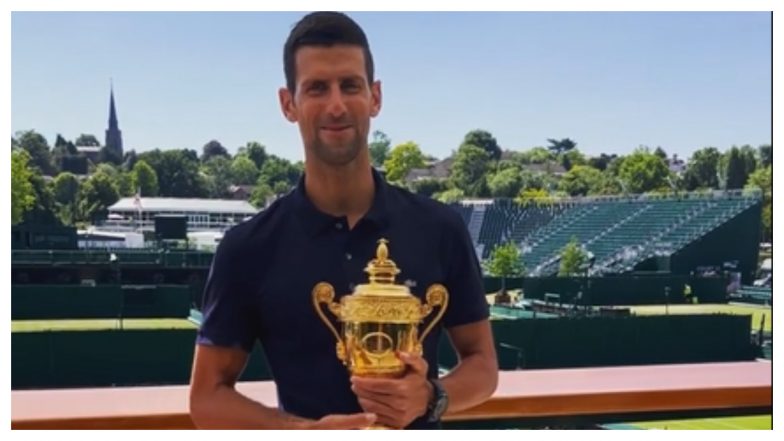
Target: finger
[[377, 385], [362, 392], [380, 409], [385, 415], [346, 422], [415, 362]]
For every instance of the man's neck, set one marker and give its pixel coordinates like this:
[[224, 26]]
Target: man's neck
[[345, 191]]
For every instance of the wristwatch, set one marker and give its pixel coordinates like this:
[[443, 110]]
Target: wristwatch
[[439, 403]]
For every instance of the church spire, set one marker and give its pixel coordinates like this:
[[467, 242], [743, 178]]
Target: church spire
[[114, 142]]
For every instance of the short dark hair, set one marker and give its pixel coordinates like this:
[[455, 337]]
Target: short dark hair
[[324, 29]]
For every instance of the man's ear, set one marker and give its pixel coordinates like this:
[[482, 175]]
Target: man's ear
[[375, 96], [287, 104]]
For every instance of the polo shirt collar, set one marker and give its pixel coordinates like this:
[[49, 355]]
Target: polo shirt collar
[[315, 221]]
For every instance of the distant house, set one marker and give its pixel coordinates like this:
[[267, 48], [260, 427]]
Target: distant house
[[240, 192], [434, 169]]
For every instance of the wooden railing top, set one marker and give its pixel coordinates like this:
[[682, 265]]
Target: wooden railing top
[[520, 394]]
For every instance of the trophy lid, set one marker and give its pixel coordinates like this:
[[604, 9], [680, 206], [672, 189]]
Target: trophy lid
[[382, 300]]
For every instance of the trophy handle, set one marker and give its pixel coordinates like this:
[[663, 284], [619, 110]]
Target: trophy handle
[[436, 296], [325, 293]]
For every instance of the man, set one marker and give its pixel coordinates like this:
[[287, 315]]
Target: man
[[264, 270]]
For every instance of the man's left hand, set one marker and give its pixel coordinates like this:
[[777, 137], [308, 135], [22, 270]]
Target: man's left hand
[[396, 401]]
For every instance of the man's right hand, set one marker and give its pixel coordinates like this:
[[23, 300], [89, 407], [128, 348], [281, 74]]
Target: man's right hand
[[341, 422]]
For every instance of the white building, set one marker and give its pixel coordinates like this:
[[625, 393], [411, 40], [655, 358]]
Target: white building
[[203, 214]]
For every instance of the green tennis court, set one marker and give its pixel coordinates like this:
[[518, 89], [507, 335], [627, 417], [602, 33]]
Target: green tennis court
[[99, 324], [756, 422], [757, 312]]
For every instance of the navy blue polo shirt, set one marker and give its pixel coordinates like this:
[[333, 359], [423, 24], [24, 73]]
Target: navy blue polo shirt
[[264, 270]]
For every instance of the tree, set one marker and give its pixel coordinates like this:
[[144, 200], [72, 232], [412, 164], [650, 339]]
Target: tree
[[428, 186], [581, 180], [762, 179], [98, 194], [573, 259], [213, 148], [570, 158], [765, 155], [560, 146], [218, 176], [22, 194], [642, 171], [279, 174], [505, 183], [702, 169], [178, 173], [66, 196], [129, 160], [379, 148], [484, 140], [244, 171], [402, 159], [144, 179], [736, 175], [44, 209], [38, 149], [87, 140], [660, 153], [256, 152], [450, 196], [505, 261], [534, 196], [261, 193], [602, 161], [469, 169]]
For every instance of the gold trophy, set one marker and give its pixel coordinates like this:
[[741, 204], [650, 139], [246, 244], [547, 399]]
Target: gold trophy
[[380, 319]]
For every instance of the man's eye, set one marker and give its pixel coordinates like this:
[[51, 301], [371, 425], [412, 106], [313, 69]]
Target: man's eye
[[351, 87]]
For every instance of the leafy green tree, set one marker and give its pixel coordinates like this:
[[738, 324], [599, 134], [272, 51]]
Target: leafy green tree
[[762, 179], [484, 140], [736, 174], [213, 148], [581, 180], [534, 196], [98, 194], [87, 140], [22, 194], [279, 170], [66, 196], [573, 259], [428, 186], [379, 148], [505, 183], [256, 152], [570, 158], [38, 149], [559, 146], [765, 155], [144, 179], [178, 173], [450, 196], [505, 262], [642, 171], [469, 169], [702, 169], [218, 176], [244, 171], [602, 161], [660, 153], [261, 193], [402, 159]]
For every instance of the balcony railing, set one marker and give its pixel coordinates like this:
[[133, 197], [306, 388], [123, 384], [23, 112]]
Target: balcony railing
[[595, 394]]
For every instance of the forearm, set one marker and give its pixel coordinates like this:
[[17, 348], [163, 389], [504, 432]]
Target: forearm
[[471, 382], [225, 408]]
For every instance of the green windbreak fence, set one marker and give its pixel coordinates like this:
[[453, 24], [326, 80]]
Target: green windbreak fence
[[109, 358], [139, 357], [616, 341], [37, 302]]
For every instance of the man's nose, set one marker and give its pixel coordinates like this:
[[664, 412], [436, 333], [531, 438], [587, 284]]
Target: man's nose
[[336, 107]]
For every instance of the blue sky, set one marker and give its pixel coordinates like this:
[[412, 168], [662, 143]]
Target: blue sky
[[609, 81]]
